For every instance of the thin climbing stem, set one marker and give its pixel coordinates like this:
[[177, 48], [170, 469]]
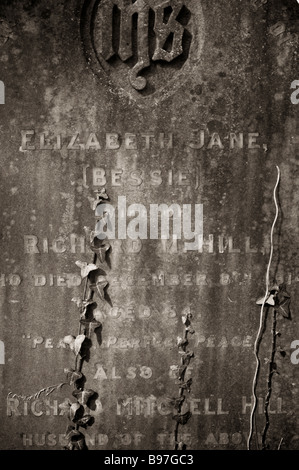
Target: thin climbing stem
[[270, 377], [46, 390], [259, 333], [280, 443]]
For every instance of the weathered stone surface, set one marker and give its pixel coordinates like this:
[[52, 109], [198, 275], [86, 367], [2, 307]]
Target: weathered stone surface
[[192, 107]]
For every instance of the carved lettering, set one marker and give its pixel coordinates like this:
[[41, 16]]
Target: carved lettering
[[170, 29], [168, 34]]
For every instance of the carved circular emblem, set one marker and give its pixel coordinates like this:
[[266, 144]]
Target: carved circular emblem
[[146, 47]]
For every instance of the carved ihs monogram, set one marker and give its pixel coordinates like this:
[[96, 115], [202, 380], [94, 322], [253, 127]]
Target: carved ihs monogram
[[117, 39]]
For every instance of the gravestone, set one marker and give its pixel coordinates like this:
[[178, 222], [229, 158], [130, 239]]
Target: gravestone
[[184, 112]]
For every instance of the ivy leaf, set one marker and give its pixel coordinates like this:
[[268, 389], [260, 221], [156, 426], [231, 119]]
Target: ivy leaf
[[101, 250], [190, 330], [183, 419], [181, 446], [176, 402], [84, 420], [77, 301], [93, 235], [101, 193], [75, 411], [76, 440], [267, 300], [185, 385], [85, 268], [83, 395], [73, 375], [93, 323], [270, 298], [65, 406], [279, 298], [69, 340], [182, 371], [186, 357], [284, 309], [99, 286], [181, 342], [78, 343], [282, 293], [283, 300], [69, 446], [72, 432], [74, 343], [100, 196], [80, 444], [274, 289], [186, 319], [82, 304], [90, 325], [95, 203]]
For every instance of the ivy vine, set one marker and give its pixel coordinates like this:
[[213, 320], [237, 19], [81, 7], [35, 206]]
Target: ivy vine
[[78, 411], [184, 385], [278, 300]]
